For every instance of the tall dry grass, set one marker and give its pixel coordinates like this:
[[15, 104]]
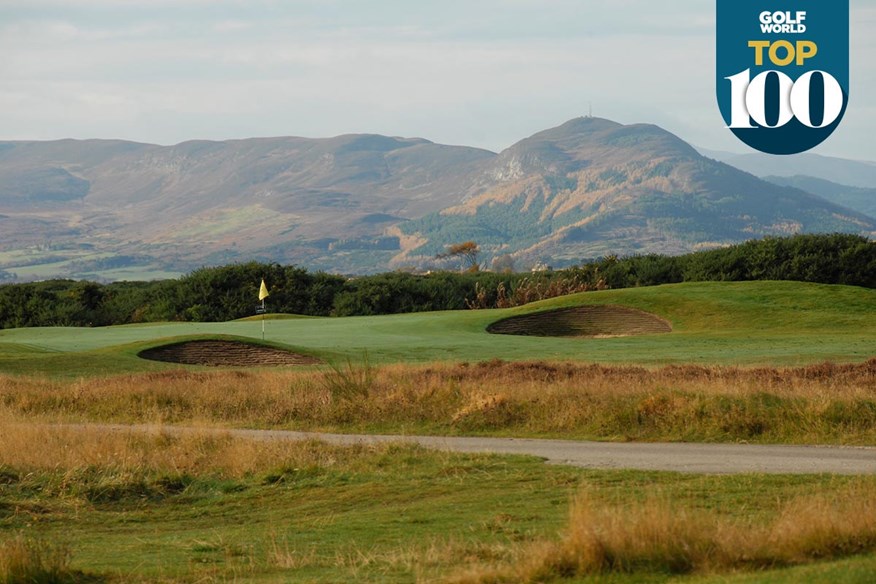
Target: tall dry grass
[[32, 447], [29, 561], [824, 403], [657, 536]]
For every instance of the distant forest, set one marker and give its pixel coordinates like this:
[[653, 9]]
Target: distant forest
[[230, 292]]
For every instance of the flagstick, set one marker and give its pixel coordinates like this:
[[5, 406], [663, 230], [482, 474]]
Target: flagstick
[[263, 293]]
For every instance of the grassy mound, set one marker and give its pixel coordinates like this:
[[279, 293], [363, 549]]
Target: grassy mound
[[583, 321]]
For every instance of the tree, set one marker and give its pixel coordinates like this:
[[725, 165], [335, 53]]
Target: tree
[[467, 251]]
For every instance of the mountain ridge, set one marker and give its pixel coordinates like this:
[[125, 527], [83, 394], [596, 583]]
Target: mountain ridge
[[627, 189], [854, 173], [365, 202], [855, 198]]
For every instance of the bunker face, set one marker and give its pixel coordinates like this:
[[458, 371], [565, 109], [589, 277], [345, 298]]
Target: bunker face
[[583, 321], [225, 354]]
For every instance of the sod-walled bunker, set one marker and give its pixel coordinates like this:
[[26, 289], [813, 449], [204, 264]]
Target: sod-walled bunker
[[583, 321], [218, 353]]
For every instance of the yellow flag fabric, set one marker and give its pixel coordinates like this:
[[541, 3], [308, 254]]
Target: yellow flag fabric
[[263, 291]]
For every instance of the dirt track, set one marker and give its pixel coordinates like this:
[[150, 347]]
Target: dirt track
[[690, 458]]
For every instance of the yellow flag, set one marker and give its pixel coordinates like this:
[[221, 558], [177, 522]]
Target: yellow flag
[[263, 291]]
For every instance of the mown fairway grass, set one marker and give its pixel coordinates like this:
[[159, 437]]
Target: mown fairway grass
[[780, 323]]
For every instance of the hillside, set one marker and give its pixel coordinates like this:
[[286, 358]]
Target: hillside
[[856, 173], [284, 199], [592, 187], [855, 198], [111, 209]]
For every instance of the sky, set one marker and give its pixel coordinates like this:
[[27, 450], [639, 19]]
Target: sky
[[483, 73]]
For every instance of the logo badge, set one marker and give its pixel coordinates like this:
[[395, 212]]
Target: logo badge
[[783, 71]]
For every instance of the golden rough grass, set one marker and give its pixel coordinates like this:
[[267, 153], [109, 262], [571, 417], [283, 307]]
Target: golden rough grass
[[659, 536], [824, 403], [27, 447], [26, 560]]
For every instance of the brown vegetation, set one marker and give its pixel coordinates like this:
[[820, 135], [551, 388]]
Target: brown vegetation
[[468, 251], [112, 456], [534, 289], [659, 536], [27, 560], [824, 403]]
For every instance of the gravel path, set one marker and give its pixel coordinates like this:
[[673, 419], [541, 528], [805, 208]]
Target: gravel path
[[680, 457]]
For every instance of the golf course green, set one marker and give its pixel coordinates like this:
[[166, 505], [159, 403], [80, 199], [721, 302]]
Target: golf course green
[[744, 323]]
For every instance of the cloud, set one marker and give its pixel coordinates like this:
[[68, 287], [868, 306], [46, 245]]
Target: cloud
[[231, 26], [483, 72]]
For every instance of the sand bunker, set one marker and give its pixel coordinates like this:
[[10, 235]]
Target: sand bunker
[[583, 321], [225, 354]]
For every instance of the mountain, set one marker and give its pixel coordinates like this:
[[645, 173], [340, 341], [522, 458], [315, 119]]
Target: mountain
[[592, 187], [858, 199], [283, 199], [361, 203], [854, 173]]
